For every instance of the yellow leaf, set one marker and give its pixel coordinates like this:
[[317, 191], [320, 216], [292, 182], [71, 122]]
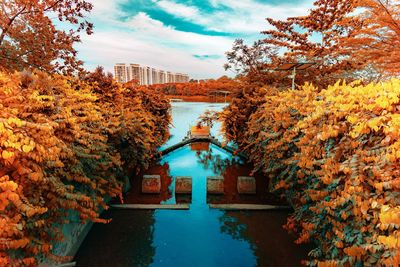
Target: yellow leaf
[[27, 148], [7, 154], [389, 241], [352, 119]]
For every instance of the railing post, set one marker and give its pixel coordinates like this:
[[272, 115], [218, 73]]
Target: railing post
[[294, 78]]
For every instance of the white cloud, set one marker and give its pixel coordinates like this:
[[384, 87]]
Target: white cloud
[[244, 16], [155, 31], [177, 9], [186, 12], [106, 10], [108, 48], [145, 40]]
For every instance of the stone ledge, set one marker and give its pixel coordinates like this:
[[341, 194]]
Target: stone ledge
[[151, 206], [67, 264], [247, 207]]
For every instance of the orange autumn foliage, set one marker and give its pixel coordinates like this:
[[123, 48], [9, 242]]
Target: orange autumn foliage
[[65, 145], [334, 154], [197, 88], [346, 39], [377, 41], [30, 37]]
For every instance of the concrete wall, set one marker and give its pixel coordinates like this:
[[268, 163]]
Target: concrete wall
[[74, 233]]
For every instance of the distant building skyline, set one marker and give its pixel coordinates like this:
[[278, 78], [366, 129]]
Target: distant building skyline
[[146, 75], [181, 36]]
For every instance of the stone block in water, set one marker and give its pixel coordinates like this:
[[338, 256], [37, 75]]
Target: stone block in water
[[246, 185], [151, 184], [183, 185], [215, 185]]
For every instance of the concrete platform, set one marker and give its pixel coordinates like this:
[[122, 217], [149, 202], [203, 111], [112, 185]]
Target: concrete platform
[[246, 185], [215, 185], [247, 207], [151, 206], [67, 264], [151, 184], [183, 185]]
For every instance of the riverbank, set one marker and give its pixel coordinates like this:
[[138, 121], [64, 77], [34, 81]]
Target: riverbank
[[198, 236], [199, 98]]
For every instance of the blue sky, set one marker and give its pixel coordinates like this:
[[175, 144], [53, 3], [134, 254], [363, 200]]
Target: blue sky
[[181, 36]]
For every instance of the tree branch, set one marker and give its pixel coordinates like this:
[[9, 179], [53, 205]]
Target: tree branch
[[10, 22]]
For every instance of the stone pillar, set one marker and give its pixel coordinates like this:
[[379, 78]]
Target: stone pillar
[[246, 185], [183, 185], [151, 184], [215, 185]]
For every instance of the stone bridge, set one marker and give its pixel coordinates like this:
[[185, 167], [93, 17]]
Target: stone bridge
[[201, 139]]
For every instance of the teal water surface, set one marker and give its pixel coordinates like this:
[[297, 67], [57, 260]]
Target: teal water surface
[[193, 237], [196, 237], [186, 114]]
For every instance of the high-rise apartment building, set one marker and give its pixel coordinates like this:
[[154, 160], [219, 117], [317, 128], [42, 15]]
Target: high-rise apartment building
[[146, 75], [133, 71], [120, 72]]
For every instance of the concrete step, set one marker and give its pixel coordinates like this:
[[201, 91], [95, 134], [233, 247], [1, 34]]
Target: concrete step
[[151, 206], [67, 264], [247, 207]]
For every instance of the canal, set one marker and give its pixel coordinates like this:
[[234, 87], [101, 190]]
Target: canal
[[199, 236]]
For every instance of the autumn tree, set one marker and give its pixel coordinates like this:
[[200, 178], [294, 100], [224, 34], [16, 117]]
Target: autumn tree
[[378, 41], [253, 62], [101, 80], [201, 88], [347, 39], [317, 37], [334, 155], [65, 149], [30, 37]]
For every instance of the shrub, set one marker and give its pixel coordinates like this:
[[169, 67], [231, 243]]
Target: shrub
[[243, 105], [61, 150], [335, 155]]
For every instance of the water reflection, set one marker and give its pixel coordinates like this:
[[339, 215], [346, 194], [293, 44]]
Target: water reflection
[[231, 168], [200, 146], [186, 114], [194, 237], [209, 159], [126, 241], [186, 162], [200, 160], [135, 194], [199, 236], [271, 244]]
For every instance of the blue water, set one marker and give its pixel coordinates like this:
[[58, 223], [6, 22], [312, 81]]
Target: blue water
[[196, 237], [186, 114], [193, 237]]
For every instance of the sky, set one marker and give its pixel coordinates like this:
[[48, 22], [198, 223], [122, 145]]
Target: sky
[[180, 36]]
